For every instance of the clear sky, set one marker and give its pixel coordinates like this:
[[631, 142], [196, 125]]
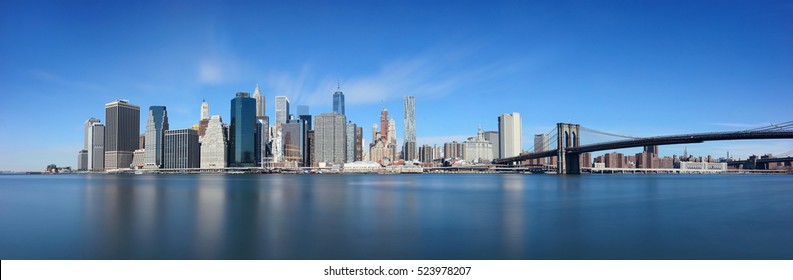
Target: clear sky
[[641, 68]]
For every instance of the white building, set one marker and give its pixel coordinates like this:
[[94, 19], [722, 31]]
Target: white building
[[281, 110], [706, 166], [215, 145], [361, 167], [510, 133], [477, 149]]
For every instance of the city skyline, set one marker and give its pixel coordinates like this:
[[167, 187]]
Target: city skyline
[[644, 76]]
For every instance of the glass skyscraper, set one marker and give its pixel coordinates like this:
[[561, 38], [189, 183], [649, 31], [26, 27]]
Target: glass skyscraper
[[242, 131], [156, 124], [338, 102]]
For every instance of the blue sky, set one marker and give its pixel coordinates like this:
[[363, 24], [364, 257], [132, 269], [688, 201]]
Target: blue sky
[[633, 67]]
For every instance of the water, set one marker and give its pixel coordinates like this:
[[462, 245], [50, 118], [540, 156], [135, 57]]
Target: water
[[477, 216]]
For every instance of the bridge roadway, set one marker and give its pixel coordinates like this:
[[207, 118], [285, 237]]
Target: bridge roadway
[[574, 152]]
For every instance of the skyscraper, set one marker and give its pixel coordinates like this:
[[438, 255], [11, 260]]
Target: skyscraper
[[281, 110], [204, 121], [204, 110], [156, 124], [121, 133], [409, 147], [384, 124], [350, 146], [392, 132], [330, 134], [260, 102], [292, 138], [181, 149], [410, 118], [87, 130], [214, 147], [96, 147], [338, 101], [262, 138], [509, 132], [359, 143], [242, 132], [541, 142]]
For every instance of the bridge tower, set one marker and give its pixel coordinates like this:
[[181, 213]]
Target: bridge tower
[[568, 136]]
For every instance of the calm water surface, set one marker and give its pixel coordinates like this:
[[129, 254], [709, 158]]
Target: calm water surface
[[396, 217]]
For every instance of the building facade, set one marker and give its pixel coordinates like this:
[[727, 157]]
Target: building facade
[[338, 101], [492, 136], [477, 149], [261, 103], [121, 133], [242, 131], [351, 142], [156, 125], [96, 150], [292, 136], [510, 133], [181, 149], [281, 110], [330, 138], [409, 146], [214, 146]]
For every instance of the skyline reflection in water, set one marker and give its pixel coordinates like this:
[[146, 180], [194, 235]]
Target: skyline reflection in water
[[429, 216]]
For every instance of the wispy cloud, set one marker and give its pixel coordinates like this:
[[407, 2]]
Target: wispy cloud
[[427, 75], [67, 82]]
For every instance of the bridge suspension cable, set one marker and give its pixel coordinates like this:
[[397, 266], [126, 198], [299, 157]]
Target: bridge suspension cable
[[782, 126], [609, 134]]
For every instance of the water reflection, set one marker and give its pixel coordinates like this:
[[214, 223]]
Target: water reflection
[[395, 217]]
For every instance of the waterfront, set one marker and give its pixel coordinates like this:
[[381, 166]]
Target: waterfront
[[422, 216]]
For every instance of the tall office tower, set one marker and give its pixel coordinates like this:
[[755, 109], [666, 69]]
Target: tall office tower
[[492, 136], [87, 130], [351, 143], [409, 150], [359, 143], [281, 110], [410, 118], [215, 145], [302, 110], [96, 147], [260, 102], [509, 132], [142, 141], [204, 110], [156, 124], [311, 160], [542, 143], [242, 132], [383, 124], [305, 119], [82, 160], [121, 133], [262, 138], [392, 132], [330, 134], [292, 138], [181, 149], [338, 101]]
